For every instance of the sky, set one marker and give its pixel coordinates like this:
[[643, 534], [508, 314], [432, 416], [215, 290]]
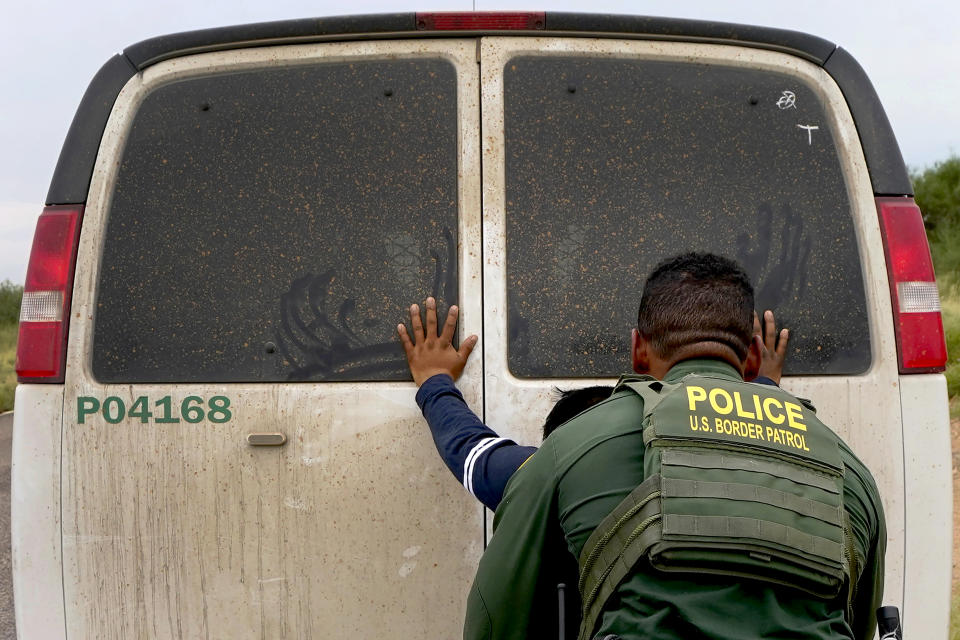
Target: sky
[[50, 49]]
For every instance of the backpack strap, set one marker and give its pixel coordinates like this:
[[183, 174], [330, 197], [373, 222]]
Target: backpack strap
[[648, 388], [852, 565]]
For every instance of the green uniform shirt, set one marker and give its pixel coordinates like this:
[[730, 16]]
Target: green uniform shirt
[[581, 473]]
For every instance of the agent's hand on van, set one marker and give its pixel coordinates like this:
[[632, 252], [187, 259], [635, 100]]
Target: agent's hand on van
[[773, 346], [431, 354]]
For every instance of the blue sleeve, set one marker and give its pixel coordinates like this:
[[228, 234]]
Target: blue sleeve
[[480, 459], [765, 380]]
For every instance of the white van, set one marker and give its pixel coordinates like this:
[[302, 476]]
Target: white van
[[215, 432]]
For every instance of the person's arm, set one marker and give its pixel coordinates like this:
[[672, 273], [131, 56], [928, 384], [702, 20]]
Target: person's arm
[[514, 595], [479, 458], [862, 503], [869, 595], [864, 510]]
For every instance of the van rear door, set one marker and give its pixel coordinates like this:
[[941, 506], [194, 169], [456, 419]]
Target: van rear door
[[257, 223], [603, 157]]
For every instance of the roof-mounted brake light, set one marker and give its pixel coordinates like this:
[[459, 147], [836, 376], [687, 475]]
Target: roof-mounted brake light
[[916, 302], [481, 21]]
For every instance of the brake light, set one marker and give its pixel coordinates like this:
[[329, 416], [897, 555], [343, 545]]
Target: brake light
[[913, 289], [482, 21], [45, 310]]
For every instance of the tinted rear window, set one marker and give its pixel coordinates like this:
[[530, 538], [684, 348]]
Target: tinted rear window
[[613, 165], [269, 224]]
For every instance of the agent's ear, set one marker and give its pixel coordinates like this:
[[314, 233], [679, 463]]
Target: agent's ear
[[639, 352], [751, 366]]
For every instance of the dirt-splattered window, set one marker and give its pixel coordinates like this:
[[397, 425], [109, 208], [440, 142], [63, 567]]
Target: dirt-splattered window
[[613, 165], [273, 224]]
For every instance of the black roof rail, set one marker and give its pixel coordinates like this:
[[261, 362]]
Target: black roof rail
[[154, 50], [71, 178]]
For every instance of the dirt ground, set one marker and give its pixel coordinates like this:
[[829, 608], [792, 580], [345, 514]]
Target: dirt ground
[[955, 439]]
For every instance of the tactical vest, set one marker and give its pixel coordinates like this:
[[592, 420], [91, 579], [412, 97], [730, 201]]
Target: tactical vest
[[741, 480]]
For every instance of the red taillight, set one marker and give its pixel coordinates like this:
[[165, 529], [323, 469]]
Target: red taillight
[[916, 302], [472, 21], [45, 310]]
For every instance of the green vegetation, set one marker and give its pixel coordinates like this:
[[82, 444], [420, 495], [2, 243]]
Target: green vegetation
[[937, 192], [950, 303], [955, 617], [938, 195], [10, 296], [8, 356]]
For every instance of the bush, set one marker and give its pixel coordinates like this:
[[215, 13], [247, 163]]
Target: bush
[[10, 297], [8, 357], [937, 192], [945, 248], [950, 304]]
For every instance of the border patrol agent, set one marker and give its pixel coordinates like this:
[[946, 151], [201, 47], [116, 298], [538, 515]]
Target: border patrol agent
[[697, 505]]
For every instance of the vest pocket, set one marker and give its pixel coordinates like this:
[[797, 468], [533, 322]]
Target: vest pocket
[[733, 514]]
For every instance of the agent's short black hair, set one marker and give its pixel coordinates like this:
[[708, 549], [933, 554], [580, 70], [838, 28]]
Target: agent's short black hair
[[697, 297], [571, 403]]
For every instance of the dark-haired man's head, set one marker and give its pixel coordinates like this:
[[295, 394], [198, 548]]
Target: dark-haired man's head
[[571, 403], [695, 305]]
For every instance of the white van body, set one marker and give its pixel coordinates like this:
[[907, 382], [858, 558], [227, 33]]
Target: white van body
[[163, 527]]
